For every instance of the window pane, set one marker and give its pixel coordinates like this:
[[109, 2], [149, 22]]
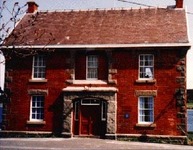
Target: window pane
[[146, 109], [33, 116], [142, 113], [146, 66], [141, 104], [38, 116], [92, 67], [39, 67], [37, 107]]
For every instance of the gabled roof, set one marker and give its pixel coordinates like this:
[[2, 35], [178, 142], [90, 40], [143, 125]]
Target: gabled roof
[[96, 27]]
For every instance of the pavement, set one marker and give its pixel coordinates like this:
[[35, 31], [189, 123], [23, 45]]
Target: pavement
[[80, 144]]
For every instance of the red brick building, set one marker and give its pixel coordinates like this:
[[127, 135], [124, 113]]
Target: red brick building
[[112, 73]]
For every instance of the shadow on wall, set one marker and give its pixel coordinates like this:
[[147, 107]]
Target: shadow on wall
[[170, 105], [57, 109]]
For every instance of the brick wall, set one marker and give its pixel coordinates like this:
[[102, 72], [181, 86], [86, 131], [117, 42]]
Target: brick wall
[[18, 109], [125, 65], [165, 108]]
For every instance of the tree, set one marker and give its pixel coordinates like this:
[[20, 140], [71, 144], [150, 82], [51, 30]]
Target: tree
[[8, 22], [9, 18], [11, 32]]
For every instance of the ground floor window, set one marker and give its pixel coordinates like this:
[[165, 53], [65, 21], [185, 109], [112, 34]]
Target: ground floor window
[[37, 108], [146, 109]]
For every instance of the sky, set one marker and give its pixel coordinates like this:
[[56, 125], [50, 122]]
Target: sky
[[102, 4]]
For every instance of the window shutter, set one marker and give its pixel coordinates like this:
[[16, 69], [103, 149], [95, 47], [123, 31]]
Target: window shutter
[[80, 66]]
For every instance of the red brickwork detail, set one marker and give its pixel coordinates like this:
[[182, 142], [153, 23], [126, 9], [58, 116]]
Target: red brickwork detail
[[125, 62]]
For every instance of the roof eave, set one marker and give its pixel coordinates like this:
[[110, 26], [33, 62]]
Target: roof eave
[[76, 46]]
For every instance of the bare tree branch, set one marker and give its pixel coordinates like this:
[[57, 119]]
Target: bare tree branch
[[9, 24]]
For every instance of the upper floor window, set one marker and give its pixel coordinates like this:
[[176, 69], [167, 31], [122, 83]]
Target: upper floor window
[[39, 67], [146, 109], [92, 67], [146, 66], [37, 108]]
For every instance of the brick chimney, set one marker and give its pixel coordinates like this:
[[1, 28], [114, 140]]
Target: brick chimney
[[179, 3], [32, 7]]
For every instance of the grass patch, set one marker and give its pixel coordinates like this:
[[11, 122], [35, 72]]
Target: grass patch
[[190, 138], [190, 105], [190, 134]]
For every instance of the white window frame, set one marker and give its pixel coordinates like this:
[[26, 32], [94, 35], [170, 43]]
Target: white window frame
[[93, 67], [37, 107], [147, 66], [140, 119], [90, 101], [40, 66]]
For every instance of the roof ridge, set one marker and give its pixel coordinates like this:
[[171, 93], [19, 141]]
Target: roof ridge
[[105, 9]]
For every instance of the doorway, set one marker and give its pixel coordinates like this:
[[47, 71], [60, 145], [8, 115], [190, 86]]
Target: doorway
[[90, 117]]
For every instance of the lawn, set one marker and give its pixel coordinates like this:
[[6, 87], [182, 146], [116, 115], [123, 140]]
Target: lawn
[[190, 137], [190, 105]]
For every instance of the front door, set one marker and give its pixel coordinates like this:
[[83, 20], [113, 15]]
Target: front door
[[90, 120], [89, 117]]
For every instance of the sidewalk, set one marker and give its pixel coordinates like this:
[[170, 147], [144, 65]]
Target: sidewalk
[[80, 143]]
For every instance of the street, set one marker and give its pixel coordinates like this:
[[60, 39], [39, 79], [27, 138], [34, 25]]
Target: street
[[78, 144]]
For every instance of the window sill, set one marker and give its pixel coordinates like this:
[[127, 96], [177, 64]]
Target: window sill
[[38, 80], [86, 81], [151, 125], [152, 81], [36, 122]]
